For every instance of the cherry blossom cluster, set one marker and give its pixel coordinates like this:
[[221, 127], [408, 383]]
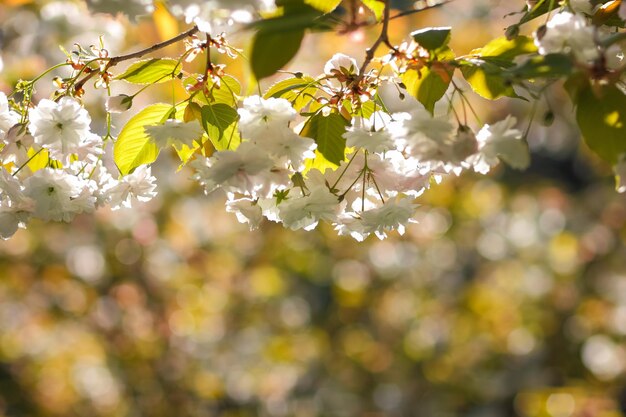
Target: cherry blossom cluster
[[571, 32], [52, 167], [391, 160]]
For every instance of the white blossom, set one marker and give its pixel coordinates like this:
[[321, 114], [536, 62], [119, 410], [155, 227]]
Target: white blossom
[[287, 147], [500, 140], [393, 215], [57, 195], [8, 118], [260, 117], [175, 132], [304, 212], [59, 127], [246, 211], [566, 32], [363, 134], [342, 64], [234, 171], [427, 138], [139, 185]]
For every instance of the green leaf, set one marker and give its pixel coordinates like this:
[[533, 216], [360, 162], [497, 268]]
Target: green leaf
[[298, 90], [432, 38], [220, 122], [601, 116], [542, 7], [37, 159], [376, 6], [542, 66], [151, 71], [507, 50], [228, 92], [272, 50], [427, 88], [133, 146], [487, 79], [327, 131], [325, 6]]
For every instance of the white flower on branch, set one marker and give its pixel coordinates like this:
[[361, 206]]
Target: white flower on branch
[[341, 64], [500, 140], [59, 127], [568, 33], [288, 148], [260, 117], [175, 132], [306, 211], [363, 134], [58, 196], [234, 171], [427, 138], [140, 185], [246, 211], [8, 118]]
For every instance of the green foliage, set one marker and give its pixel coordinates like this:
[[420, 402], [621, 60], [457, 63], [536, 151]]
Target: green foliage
[[298, 90], [325, 6], [485, 72], [227, 92], [502, 51], [37, 159], [601, 116], [429, 84], [376, 6], [432, 38], [133, 146], [541, 66], [220, 122], [271, 50], [151, 71], [327, 132]]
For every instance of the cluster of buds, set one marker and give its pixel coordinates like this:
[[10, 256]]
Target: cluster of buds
[[346, 83]]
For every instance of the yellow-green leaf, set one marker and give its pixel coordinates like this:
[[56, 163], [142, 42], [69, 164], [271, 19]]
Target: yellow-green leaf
[[325, 6], [38, 159], [133, 146], [601, 116], [220, 122], [327, 131], [298, 90], [376, 6], [151, 71]]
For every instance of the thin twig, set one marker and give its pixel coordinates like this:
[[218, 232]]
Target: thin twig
[[413, 11], [382, 38], [117, 59]]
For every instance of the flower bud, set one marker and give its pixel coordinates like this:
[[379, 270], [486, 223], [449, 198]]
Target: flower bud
[[119, 104]]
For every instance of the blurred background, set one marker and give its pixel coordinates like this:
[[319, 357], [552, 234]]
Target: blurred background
[[508, 298]]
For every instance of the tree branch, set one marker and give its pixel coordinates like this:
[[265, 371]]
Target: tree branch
[[409, 12], [382, 38], [117, 59]]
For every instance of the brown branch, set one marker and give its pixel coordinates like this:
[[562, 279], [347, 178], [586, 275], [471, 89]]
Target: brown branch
[[112, 61], [117, 59], [409, 12], [383, 38]]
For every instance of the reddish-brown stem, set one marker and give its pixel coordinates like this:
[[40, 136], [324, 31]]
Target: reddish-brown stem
[[383, 38]]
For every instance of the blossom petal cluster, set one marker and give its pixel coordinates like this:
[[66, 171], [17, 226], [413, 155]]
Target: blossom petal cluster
[[53, 169], [390, 160]]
